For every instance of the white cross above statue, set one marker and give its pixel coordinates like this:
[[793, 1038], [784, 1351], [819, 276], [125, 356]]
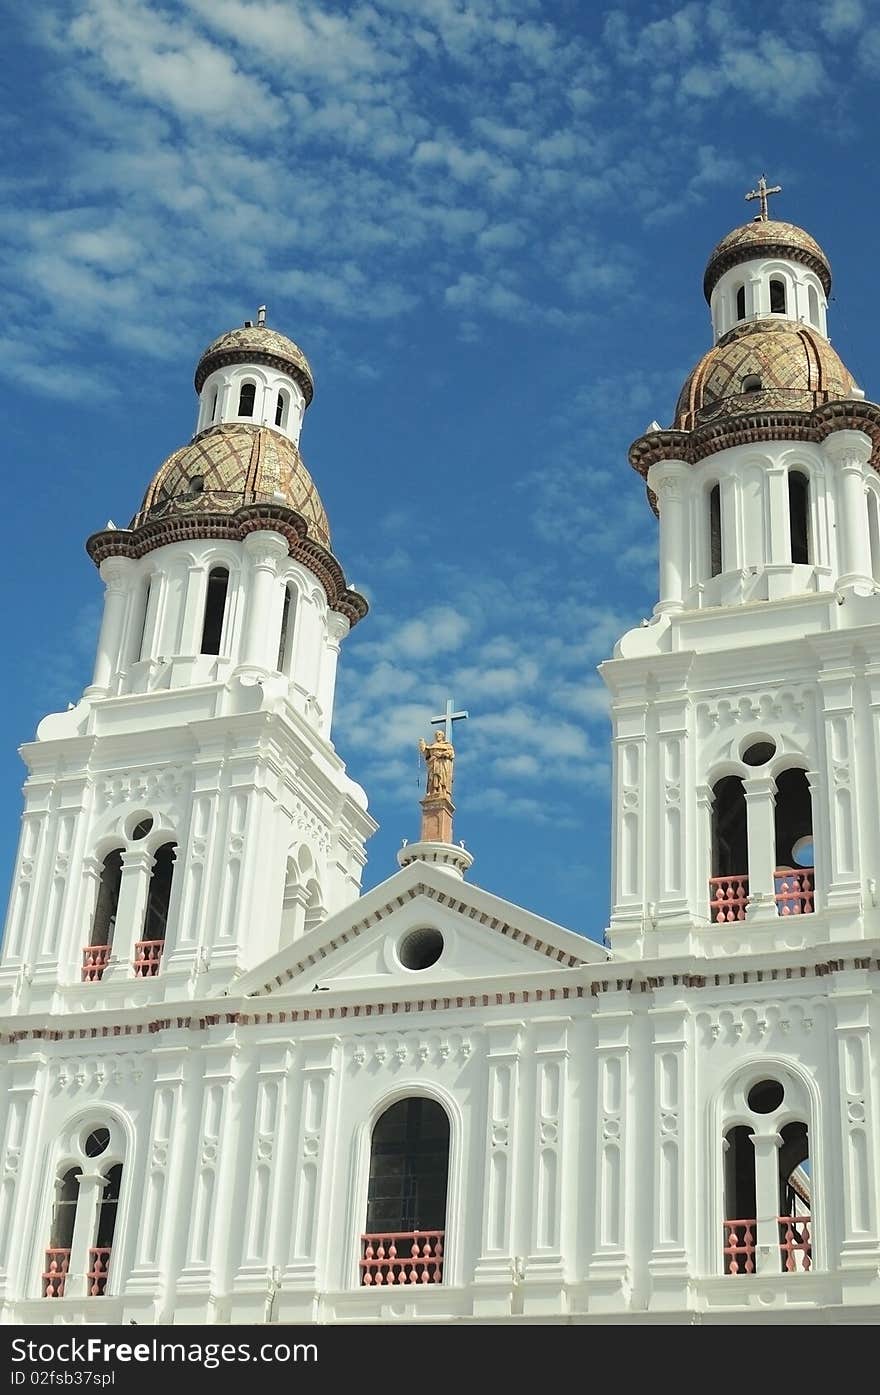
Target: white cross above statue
[[448, 717], [763, 192]]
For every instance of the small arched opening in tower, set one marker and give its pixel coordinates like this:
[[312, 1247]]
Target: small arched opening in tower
[[99, 1255], [729, 882], [282, 406], [57, 1257], [715, 555], [740, 302], [795, 856], [246, 398], [795, 1198], [406, 1201], [285, 638], [215, 610], [740, 1201], [813, 306], [97, 952], [777, 296], [799, 516], [148, 950]]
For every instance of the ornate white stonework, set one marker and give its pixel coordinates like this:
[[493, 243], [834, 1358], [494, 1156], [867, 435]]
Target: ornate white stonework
[[679, 1127]]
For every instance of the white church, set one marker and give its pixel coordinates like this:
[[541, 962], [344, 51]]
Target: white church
[[237, 1090]]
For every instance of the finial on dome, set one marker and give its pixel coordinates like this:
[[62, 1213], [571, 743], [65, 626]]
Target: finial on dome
[[762, 192], [261, 317]]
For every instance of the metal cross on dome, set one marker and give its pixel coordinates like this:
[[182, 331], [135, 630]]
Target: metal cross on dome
[[762, 192], [448, 717]]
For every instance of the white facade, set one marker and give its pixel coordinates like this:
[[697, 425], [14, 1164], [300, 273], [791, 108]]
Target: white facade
[[681, 1127]]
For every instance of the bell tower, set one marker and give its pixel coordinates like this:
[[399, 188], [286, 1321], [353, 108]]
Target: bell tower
[[190, 816], [746, 712]]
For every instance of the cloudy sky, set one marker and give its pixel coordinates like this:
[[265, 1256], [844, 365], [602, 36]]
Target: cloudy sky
[[486, 223]]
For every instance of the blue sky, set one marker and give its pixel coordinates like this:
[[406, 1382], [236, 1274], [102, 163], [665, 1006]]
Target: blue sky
[[486, 222]]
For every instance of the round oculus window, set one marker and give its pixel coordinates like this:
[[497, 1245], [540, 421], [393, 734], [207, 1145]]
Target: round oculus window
[[420, 948], [96, 1143], [759, 752], [764, 1097], [142, 828]]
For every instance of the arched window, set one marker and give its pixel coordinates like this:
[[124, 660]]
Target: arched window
[[148, 950], [246, 398], [101, 1250], [729, 883], [97, 952], [282, 404], [141, 628], [99, 1156], [813, 304], [315, 911], [215, 610], [777, 297], [715, 530], [213, 416], [795, 857], [799, 516], [57, 1258], [757, 1183], [406, 1203], [285, 639], [740, 302]]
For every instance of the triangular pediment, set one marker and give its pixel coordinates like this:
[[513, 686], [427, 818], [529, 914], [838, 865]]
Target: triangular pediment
[[422, 912]]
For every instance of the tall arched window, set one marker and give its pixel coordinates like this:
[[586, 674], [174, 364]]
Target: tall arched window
[[813, 305], [799, 515], [148, 950], [740, 302], [729, 883], [246, 397], [215, 610], [777, 296], [57, 1258], [97, 952], [216, 394], [715, 530], [282, 404], [795, 856], [776, 1180], [406, 1202], [141, 626], [103, 1246], [285, 639]]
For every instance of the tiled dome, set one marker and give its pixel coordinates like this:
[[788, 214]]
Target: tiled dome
[[765, 237], [230, 466], [257, 344], [771, 365]]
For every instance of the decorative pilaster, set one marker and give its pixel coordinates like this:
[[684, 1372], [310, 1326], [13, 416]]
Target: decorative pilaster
[[116, 573], [259, 640], [860, 1241], [161, 1204], [610, 1270], [261, 1239], [496, 1272], [628, 850], [18, 1166], [670, 1265], [843, 889], [338, 627], [545, 1265], [308, 1173]]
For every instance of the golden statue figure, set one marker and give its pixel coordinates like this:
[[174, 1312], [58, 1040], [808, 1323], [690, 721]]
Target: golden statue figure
[[439, 755]]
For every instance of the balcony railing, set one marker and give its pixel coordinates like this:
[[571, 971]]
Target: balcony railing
[[402, 1257], [794, 891], [99, 1267], [94, 962], [55, 1273], [147, 954], [795, 1245]]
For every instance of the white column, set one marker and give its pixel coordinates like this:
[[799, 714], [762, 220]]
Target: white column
[[849, 453], [309, 1176], [264, 550], [667, 479], [137, 866], [610, 1270], [545, 1266], [670, 1264], [843, 890], [851, 1002], [760, 792], [91, 1189], [338, 627], [768, 1259], [116, 573]]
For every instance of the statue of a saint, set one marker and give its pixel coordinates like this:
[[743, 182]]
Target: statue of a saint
[[439, 755]]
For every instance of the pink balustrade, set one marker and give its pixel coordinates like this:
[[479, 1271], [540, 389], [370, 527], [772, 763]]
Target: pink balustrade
[[147, 954], [94, 962], [728, 898], [55, 1273], [402, 1257], [794, 1245], [99, 1265], [795, 888], [739, 1247], [794, 1242]]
